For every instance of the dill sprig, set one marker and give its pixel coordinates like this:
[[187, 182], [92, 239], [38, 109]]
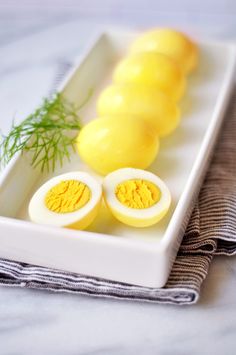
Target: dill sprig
[[49, 133]]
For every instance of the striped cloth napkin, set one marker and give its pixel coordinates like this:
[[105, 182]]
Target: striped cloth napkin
[[211, 231]]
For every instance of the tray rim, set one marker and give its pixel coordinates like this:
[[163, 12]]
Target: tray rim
[[198, 168]]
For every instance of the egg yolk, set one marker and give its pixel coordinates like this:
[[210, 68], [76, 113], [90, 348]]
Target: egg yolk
[[67, 196], [138, 193]]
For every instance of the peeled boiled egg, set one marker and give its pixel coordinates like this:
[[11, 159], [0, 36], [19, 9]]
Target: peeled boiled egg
[[69, 200], [174, 44], [136, 197], [107, 144], [154, 69], [140, 101]]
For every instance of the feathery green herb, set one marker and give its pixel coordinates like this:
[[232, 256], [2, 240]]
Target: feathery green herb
[[49, 133]]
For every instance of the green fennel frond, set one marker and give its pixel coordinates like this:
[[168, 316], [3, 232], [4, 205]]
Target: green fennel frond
[[48, 133]]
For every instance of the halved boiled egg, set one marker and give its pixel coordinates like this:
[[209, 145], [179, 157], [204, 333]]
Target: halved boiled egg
[[136, 197], [69, 200]]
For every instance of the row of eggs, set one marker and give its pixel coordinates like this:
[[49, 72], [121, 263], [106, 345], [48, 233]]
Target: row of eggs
[[141, 105]]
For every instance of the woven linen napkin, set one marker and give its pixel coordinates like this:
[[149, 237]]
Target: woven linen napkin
[[211, 231]]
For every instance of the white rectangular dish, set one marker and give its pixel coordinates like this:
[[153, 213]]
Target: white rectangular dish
[[109, 249]]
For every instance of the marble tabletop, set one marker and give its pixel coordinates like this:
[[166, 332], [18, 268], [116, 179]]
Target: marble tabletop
[[33, 45]]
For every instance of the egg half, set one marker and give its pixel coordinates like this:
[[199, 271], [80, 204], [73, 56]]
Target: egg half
[[69, 200], [136, 197]]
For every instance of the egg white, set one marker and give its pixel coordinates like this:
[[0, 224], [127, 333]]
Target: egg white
[[39, 213], [121, 175]]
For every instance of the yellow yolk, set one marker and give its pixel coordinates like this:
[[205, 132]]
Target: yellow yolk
[[67, 196], [138, 193], [136, 197]]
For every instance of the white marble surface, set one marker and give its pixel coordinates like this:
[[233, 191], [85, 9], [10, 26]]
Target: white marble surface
[[36, 322]]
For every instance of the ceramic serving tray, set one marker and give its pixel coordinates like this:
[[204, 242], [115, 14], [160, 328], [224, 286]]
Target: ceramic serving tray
[[109, 249]]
